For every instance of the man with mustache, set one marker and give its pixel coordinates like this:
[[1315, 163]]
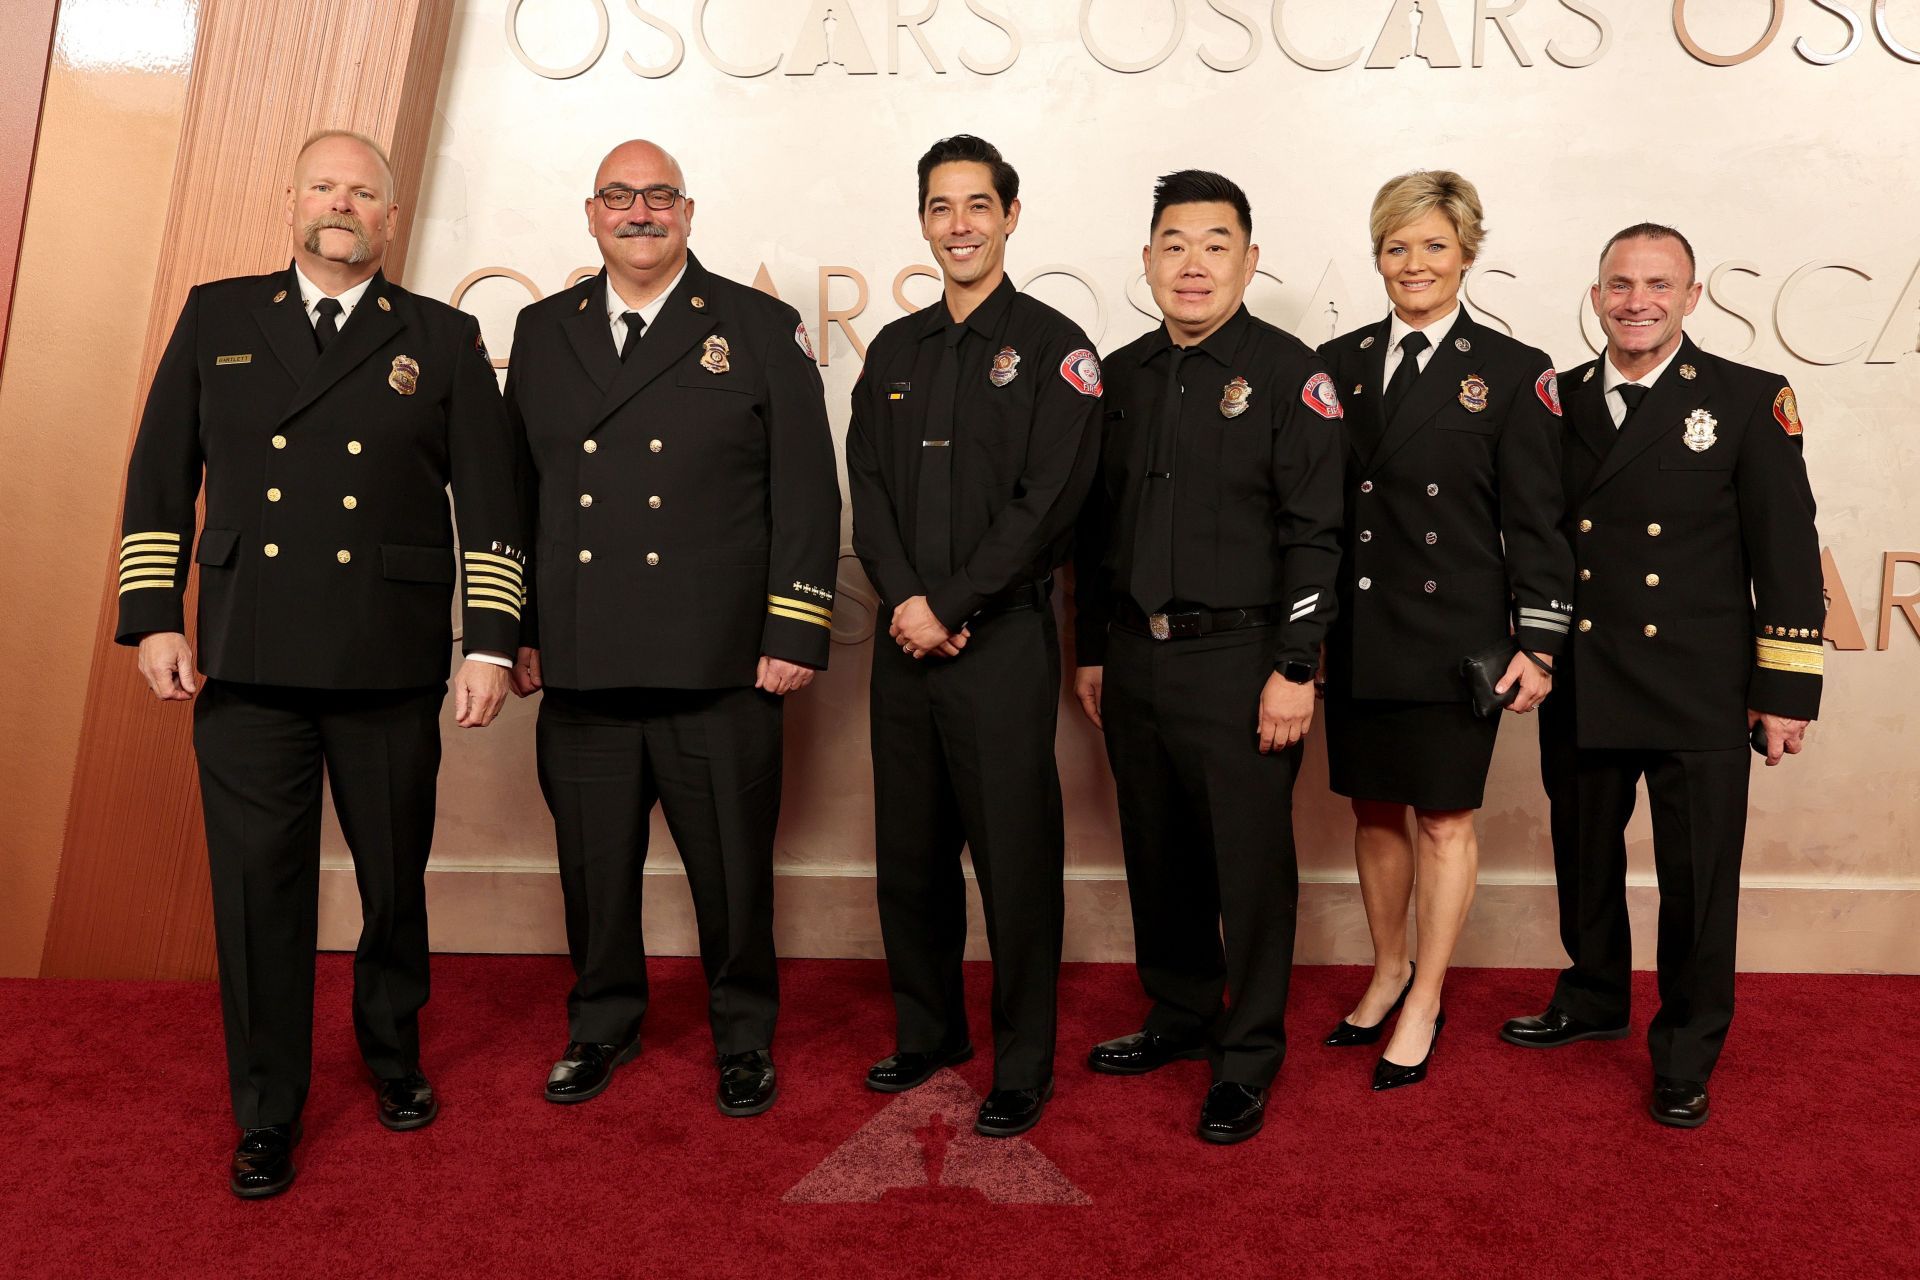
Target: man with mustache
[[975, 424], [328, 409], [680, 476]]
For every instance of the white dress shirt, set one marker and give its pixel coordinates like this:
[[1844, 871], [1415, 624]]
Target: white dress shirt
[[1436, 334], [618, 306], [311, 293], [1611, 379]]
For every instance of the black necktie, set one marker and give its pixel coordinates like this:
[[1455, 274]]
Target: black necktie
[[1403, 377], [1631, 394], [1152, 584], [634, 325], [933, 503], [326, 327]]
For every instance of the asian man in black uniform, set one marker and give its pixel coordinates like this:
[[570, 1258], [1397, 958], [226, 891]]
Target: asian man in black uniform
[[328, 409], [975, 424], [1698, 605], [1205, 569]]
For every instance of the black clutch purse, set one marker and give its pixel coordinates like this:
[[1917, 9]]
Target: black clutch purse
[[1482, 671]]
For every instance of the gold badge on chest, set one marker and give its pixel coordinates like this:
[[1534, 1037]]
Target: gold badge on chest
[[1235, 397], [1473, 393], [713, 354], [404, 377], [1005, 368], [1699, 435]]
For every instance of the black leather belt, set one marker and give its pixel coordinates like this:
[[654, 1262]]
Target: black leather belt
[[1028, 595], [1188, 623]]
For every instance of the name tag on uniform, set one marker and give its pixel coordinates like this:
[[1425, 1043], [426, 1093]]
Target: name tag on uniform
[[246, 359], [898, 390]]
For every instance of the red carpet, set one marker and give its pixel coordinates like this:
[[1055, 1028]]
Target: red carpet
[[1505, 1162]]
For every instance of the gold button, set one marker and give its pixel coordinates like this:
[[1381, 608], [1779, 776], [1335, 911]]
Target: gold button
[[591, 446], [1586, 526], [1653, 579], [1586, 624], [654, 501], [273, 495], [279, 442], [1650, 631], [349, 502], [653, 557], [586, 499], [1814, 634], [655, 445], [1653, 531], [1586, 575], [586, 557], [272, 549], [344, 557], [353, 446]]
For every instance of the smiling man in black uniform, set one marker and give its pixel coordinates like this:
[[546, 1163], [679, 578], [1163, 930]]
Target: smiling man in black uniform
[[680, 473], [1699, 606], [328, 409], [1206, 564], [973, 439]]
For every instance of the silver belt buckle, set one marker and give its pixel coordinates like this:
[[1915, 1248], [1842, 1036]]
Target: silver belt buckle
[[1158, 627]]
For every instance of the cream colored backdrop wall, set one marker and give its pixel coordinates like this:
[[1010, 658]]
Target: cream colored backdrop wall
[[1793, 171]]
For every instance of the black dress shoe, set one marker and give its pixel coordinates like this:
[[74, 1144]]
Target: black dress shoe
[[1007, 1112], [747, 1085], [1347, 1034], [406, 1103], [906, 1070], [1141, 1052], [1232, 1112], [1391, 1075], [585, 1070], [1554, 1028], [263, 1162], [1680, 1103]]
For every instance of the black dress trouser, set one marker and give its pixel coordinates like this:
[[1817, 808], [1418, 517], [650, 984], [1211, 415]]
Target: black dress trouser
[[711, 758], [262, 751], [1206, 827], [1699, 808], [963, 754]]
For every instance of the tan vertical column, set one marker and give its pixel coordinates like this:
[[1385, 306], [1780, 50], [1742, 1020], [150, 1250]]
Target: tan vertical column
[[131, 899]]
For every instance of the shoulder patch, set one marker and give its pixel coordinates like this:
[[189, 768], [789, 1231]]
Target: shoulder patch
[[1787, 412], [1319, 396], [800, 340], [1548, 389], [1081, 369], [480, 345]]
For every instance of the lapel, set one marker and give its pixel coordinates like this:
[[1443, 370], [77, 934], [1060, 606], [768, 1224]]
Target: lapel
[[1586, 407], [1662, 413], [1366, 428], [369, 328], [1438, 383], [679, 327], [284, 320], [586, 328]]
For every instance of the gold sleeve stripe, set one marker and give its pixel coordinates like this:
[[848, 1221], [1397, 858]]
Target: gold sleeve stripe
[[144, 583], [1805, 659], [488, 557], [797, 616], [788, 602], [478, 579], [157, 536], [134, 562], [129, 575], [489, 604], [171, 550], [494, 593]]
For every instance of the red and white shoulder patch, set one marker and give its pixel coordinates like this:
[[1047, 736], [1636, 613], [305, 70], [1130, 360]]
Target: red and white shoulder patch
[[1081, 369], [1786, 411], [1319, 396], [800, 340], [1548, 389]]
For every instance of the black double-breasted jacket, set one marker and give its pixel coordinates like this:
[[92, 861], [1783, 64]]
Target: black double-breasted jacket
[[1699, 591], [327, 553], [684, 502], [1452, 513]]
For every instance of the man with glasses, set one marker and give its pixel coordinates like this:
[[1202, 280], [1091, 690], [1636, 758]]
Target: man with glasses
[[681, 484]]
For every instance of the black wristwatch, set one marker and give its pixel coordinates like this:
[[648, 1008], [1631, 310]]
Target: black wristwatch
[[1296, 672]]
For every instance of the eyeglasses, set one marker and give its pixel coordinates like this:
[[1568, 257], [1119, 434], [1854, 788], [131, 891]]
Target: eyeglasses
[[659, 198]]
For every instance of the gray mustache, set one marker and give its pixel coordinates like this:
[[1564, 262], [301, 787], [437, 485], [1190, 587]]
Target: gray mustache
[[628, 230]]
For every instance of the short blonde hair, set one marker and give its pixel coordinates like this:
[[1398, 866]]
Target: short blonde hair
[[379, 153], [1412, 196]]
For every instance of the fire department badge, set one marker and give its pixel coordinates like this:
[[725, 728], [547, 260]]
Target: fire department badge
[[1462, 345], [1786, 411], [1006, 367], [404, 377], [1081, 369], [1699, 435], [713, 354], [1473, 393], [1235, 397], [1319, 396], [801, 340], [1548, 389]]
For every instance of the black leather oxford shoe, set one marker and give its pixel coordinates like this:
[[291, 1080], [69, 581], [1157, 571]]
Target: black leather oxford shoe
[[1141, 1052], [406, 1103], [1007, 1112], [1232, 1112], [585, 1070], [263, 1162], [747, 1085], [906, 1070], [1680, 1103], [1554, 1028]]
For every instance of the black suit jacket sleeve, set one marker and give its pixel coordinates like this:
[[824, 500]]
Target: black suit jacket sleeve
[[1309, 458], [163, 480], [1062, 454], [1783, 551], [877, 539], [804, 493], [1532, 501], [527, 491], [485, 504], [1093, 590]]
